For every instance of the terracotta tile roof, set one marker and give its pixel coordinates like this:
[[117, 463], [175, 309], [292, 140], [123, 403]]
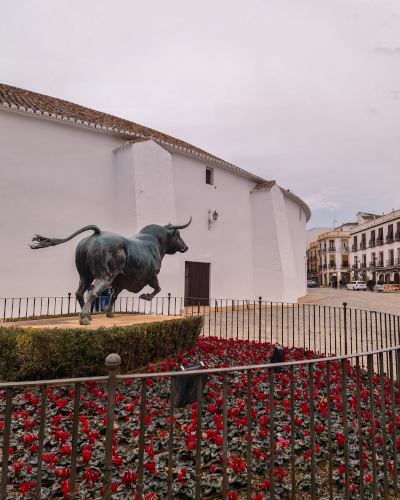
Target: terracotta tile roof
[[43, 104], [263, 186]]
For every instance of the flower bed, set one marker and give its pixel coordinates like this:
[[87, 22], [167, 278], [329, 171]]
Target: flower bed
[[215, 353]]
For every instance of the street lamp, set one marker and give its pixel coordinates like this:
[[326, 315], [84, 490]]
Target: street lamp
[[212, 218]]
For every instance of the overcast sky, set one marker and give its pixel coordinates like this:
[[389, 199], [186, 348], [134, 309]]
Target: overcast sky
[[304, 92]]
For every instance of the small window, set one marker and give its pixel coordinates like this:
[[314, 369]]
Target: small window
[[209, 176]]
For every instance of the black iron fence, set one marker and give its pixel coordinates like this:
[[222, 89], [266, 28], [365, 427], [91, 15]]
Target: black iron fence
[[331, 330], [331, 410]]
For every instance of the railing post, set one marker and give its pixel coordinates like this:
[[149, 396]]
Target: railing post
[[259, 319], [69, 300], [169, 302], [345, 326], [113, 361]]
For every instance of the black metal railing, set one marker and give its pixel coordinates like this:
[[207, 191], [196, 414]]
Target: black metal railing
[[374, 263], [354, 266], [390, 262], [397, 261], [345, 264], [354, 247], [325, 266], [397, 235], [334, 402], [372, 243], [332, 263], [379, 241], [379, 263], [363, 245], [389, 238], [331, 249]]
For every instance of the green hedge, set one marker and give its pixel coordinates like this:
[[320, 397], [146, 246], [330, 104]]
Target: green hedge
[[39, 354]]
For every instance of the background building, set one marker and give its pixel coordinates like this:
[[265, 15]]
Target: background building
[[375, 248], [312, 262], [64, 166], [312, 252], [333, 255]]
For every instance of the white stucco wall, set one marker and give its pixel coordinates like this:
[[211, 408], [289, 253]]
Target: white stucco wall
[[56, 178], [276, 263], [227, 246], [144, 194], [297, 231]]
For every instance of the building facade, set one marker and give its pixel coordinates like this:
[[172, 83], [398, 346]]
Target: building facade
[[312, 262], [375, 248], [64, 166], [333, 255]]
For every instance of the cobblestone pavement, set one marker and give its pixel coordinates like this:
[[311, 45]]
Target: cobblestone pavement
[[370, 301], [318, 324]]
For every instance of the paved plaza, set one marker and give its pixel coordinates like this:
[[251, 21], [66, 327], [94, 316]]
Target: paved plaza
[[369, 301]]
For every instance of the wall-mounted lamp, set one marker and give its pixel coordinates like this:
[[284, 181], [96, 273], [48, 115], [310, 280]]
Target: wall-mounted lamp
[[212, 218]]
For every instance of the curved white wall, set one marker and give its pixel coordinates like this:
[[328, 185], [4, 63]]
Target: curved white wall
[[56, 178]]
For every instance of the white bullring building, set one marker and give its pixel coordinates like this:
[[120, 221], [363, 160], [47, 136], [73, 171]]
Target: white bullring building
[[64, 166]]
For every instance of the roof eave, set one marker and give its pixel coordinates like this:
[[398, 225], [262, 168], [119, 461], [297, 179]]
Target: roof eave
[[108, 130]]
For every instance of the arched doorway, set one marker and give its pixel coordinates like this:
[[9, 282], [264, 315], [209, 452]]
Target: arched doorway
[[381, 277], [387, 278], [397, 278]]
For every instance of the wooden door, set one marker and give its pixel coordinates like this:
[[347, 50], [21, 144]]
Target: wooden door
[[197, 283]]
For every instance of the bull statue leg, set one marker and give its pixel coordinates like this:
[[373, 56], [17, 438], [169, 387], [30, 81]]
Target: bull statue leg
[[109, 309], [99, 287], [154, 284], [84, 284]]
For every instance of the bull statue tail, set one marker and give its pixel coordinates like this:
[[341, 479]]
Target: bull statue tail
[[43, 242]]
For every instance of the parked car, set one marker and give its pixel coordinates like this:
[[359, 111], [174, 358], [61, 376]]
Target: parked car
[[357, 285], [311, 284]]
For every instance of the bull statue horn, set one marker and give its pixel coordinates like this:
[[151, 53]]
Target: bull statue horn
[[171, 227]]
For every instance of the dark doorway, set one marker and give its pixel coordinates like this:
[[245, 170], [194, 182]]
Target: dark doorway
[[197, 284], [396, 278]]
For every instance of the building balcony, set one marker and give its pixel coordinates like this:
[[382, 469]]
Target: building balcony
[[331, 249], [397, 262], [354, 247], [397, 235], [371, 243], [354, 266], [345, 265], [363, 245], [389, 238], [325, 266], [332, 263], [390, 262], [379, 241], [373, 264]]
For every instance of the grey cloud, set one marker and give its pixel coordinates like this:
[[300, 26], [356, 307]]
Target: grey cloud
[[388, 51], [393, 94]]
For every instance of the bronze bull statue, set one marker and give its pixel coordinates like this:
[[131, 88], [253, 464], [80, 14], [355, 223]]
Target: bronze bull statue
[[123, 263]]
